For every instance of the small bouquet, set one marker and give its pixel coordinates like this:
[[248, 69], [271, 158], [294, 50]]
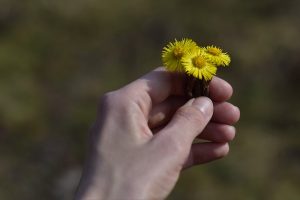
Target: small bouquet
[[198, 63]]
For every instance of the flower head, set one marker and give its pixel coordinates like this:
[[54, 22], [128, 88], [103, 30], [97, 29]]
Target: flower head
[[196, 64], [175, 51], [216, 56]]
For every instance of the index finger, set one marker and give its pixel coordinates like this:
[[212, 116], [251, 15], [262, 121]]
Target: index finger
[[159, 84], [162, 84], [156, 86]]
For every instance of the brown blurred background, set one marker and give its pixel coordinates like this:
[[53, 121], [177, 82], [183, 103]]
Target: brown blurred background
[[58, 57]]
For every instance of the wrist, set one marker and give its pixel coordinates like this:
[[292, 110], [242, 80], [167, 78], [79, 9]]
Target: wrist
[[101, 182], [92, 185]]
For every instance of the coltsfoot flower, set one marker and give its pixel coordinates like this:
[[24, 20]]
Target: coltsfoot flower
[[196, 65], [174, 52], [216, 56]]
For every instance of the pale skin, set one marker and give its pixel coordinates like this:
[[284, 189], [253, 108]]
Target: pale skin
[[143, 137]]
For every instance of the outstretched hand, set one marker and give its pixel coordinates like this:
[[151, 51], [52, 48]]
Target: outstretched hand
[[144, 132]]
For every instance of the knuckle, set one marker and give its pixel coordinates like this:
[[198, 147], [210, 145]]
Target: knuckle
[[105, 99], [117, 101], [109, 100], [177, 146], [114, 98]]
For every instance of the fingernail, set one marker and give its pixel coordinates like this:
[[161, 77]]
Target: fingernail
[[205, 105], [190, 102]]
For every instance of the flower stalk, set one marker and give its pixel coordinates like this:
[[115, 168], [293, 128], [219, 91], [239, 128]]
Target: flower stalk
[[196, 87]]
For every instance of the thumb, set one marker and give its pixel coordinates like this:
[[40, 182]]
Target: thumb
[[188, 121]]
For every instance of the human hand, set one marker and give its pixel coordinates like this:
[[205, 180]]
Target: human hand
[[144, 132]]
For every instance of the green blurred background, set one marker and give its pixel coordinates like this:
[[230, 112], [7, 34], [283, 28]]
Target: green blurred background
[[58, 57]]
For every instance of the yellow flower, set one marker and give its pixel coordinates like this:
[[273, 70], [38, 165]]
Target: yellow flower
[[174, 51], [195, 64], [216, 56]]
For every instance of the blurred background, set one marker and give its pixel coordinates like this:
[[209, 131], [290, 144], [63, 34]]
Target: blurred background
[[58, 57]]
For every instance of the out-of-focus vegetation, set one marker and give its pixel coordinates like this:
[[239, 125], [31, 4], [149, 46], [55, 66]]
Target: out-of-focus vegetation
[[58, 57]]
